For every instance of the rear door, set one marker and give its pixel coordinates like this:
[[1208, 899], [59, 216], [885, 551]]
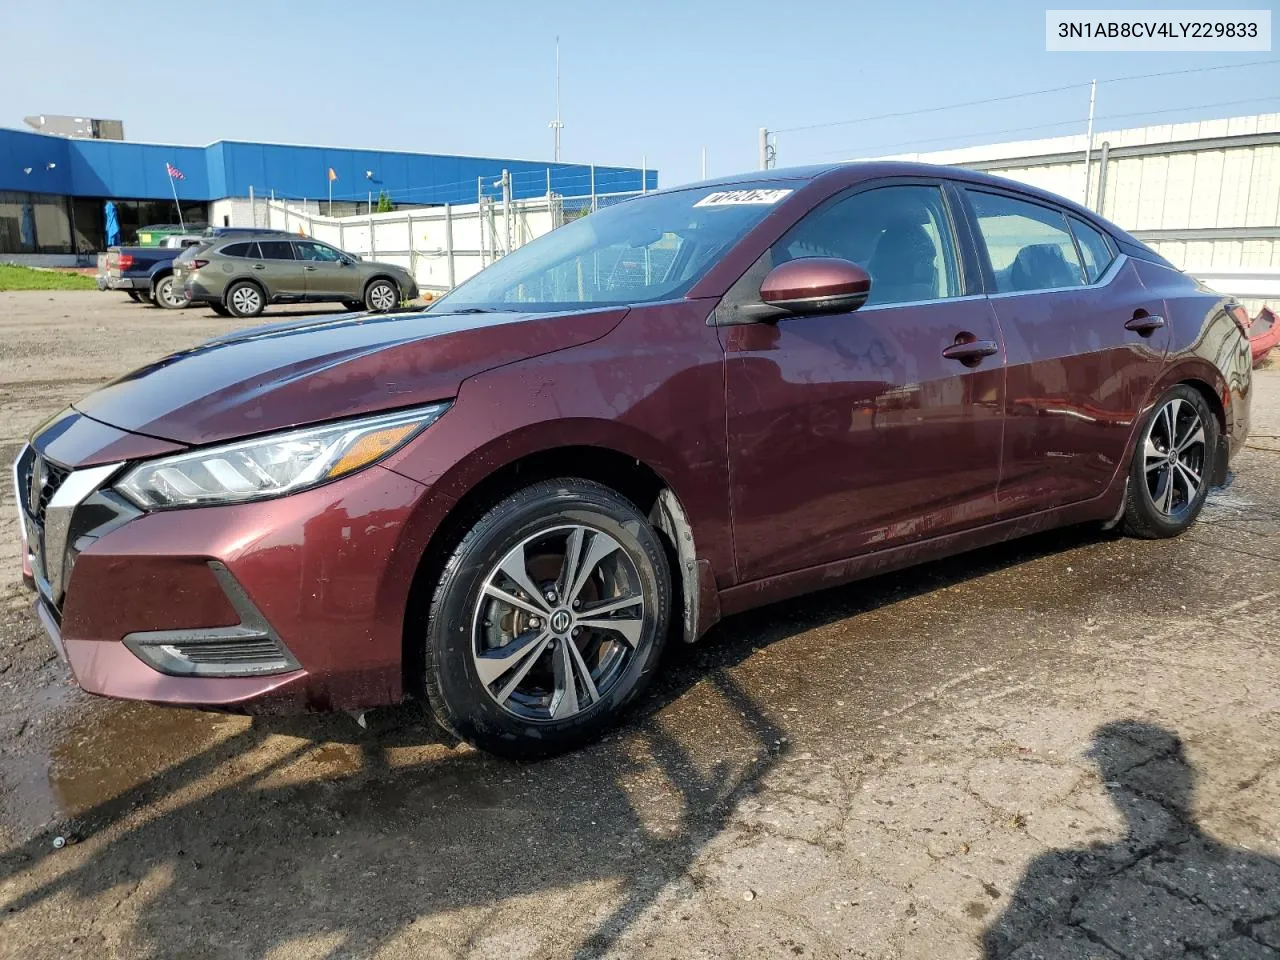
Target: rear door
[[280, 269], [327, 273], [851, 432], [1085, 339]]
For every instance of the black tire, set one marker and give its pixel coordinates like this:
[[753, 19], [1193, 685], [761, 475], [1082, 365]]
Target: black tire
[[166, 296], [381, 295], [353, 305], [134, 295], [244, 299], [462, 618], [219, 309], [1154, 509]]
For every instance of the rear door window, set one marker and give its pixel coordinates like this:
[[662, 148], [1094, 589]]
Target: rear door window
[[236, 250], [276, 249], [1029, 245], [1094, 248]]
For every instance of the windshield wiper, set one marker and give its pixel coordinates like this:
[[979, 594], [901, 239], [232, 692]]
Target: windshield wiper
[[474, 310]]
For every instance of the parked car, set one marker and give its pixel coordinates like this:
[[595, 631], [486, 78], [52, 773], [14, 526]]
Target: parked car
[[240, 275], [146, 273], [676, 408]]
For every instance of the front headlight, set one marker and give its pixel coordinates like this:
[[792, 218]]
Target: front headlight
[[273, 465]]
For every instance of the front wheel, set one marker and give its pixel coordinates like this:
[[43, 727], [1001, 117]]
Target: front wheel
[[1172, 465], [381, 296], [548, 618]]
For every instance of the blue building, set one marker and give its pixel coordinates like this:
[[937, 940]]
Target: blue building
[[54, 190]]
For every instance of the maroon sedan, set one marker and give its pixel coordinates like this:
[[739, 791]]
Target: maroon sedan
[[674, 409]]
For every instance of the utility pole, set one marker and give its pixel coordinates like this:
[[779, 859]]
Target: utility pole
[[1088, 145], [557, 124], [768, 155]]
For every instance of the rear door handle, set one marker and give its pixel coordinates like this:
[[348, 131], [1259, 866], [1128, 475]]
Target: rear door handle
[[970, 352], [259, 266], [308, 268], [1144, 323]]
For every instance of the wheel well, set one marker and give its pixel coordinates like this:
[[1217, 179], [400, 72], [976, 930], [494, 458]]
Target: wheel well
[[632, 478], [266, 297], [1222, 454], [381, 276]]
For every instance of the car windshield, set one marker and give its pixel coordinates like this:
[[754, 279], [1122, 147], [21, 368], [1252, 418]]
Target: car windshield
[[639, 251]]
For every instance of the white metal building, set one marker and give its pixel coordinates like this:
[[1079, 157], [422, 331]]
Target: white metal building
[[1206, 194]]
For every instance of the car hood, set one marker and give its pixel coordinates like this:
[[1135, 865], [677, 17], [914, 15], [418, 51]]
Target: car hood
[[312, 370]]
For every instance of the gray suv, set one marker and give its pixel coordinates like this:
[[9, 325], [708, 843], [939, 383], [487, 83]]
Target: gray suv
[[239, 276]]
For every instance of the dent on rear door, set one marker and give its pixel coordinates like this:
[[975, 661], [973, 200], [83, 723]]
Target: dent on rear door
[[1077, 383]]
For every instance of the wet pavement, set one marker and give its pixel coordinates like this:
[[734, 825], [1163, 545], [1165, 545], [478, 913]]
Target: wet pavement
[[1062, 747]]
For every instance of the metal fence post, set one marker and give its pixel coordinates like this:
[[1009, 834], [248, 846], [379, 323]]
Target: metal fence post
[[506, 208], [253, 207], [448, 244], [373, 245], [1102, 176], [593, 188], [480, 217], [342, 230], [413, 247]]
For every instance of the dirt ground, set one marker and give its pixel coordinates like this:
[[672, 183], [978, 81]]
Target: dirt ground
[[1064, 747]]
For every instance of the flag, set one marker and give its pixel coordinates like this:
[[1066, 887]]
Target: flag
[[174, 172], [332, 176]]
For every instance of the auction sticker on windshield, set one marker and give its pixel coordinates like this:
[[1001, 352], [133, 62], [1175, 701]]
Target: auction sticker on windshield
[[724, 198]]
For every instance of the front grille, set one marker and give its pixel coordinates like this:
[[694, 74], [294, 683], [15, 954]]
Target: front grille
[[54, 477]]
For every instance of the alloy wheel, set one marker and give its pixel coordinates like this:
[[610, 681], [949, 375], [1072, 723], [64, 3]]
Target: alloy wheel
[[1174, 457], [171, 293], [558, 621], [382, 296], [246, 300]]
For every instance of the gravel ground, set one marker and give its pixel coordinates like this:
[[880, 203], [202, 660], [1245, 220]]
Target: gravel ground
[[1064, 747]]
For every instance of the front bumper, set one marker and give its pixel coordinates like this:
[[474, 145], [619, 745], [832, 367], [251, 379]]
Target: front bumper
[[303, 597]]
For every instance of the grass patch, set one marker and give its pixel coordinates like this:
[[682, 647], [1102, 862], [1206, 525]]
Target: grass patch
[[14, 277]]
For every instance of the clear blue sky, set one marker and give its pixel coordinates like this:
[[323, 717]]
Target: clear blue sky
[[658, 78]]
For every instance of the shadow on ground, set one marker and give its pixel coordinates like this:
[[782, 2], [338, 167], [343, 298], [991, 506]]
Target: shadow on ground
[[307, 828], [1165, 890]]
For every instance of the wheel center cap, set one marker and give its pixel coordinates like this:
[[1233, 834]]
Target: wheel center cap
[[561, 620]]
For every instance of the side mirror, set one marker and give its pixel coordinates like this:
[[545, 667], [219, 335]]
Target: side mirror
[[816, 285]]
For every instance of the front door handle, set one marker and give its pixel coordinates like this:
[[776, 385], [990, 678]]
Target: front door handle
[[308, 267], [1144, 323], [969, 350], [259, 266]]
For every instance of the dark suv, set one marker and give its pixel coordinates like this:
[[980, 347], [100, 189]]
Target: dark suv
[[240, 275]]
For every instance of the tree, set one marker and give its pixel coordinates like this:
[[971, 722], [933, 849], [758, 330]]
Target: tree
[[384, 202]]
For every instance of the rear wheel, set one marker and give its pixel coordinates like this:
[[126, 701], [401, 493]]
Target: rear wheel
[[548, 618], [169, 295], [244, 299], [381, 296], [1172, 465]]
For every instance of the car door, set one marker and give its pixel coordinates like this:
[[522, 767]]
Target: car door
[[326, 271], [280, 270], [854, 431], [1085, 343]]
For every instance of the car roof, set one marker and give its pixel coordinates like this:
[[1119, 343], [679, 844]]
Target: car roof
[[852, 172]]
